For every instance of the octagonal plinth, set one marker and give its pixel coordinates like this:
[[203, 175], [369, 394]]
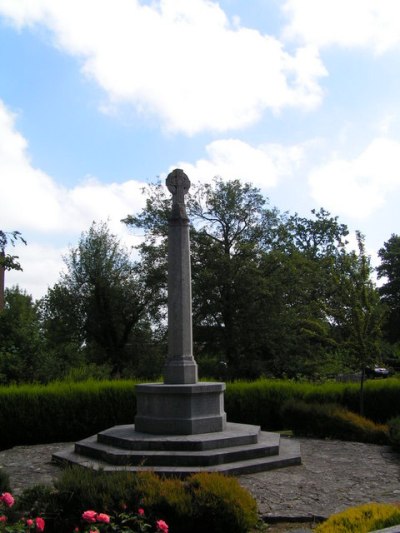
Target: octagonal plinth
[[180, 409]]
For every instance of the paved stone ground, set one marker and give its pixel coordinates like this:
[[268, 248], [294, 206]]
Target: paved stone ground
[[334, 475]]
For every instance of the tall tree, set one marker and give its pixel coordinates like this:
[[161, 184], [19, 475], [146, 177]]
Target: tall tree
[[228, 220], [99, 302], [20, 339], [359, 315], [389, 270]]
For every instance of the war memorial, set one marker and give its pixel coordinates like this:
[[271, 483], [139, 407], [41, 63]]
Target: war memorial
[[180, 425]]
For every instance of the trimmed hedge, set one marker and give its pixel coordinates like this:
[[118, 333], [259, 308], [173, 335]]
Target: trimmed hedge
[[66, 411], [362, 519], [332, 421], [36, 414], [259, 402]]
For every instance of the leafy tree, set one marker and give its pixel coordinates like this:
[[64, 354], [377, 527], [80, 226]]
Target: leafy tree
[[360, 315], [98, 304], [20, 338], [389, 269], [261, 279]]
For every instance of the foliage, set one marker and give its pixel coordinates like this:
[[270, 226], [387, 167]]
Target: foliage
[[389, 270], [332, 421], [7, 261], [21, 346], [362, 519], [360, 315], [36, 414], [262, 281], [220, 504], [394, 432], [201, 501], [98, 306]]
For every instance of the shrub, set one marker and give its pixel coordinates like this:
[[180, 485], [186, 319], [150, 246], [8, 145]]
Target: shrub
[[203, 501], [220, 504], [362, 519], [331, 420], [394, 432]]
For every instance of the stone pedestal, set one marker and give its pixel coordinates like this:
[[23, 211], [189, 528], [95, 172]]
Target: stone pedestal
[[180, 409]]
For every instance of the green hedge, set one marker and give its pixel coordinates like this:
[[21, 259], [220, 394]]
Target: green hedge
[[66, 411], [35, 414], [331, 421], [259, 402]]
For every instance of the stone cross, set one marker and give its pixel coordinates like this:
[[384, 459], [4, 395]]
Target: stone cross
[[181, 367], [178, 185]]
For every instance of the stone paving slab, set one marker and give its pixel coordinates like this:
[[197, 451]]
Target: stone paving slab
[[334, 475]]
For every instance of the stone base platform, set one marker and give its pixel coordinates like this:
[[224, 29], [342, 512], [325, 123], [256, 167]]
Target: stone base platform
[[238, 449]]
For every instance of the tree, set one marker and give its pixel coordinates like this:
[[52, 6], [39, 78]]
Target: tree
[[227, 222], [359, 315], [389, 269], [261, 279], [99, 303], [20, 339], [7, 261]]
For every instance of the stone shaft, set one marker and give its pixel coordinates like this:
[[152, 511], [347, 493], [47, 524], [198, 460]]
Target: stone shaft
[[181, 368]]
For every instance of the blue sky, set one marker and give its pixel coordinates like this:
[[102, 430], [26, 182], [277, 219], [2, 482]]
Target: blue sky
[[99, 97]]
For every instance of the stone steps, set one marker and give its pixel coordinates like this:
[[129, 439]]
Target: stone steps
[[232, 451]]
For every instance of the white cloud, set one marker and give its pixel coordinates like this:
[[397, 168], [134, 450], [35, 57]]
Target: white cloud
[[359, 187], [184, 62], [263, 165], [41, 265], [32, 202], [373, 24]]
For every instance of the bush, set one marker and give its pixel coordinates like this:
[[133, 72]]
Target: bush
[[220, 504], [362, 519], [394, 432], [36, 414], [331, 420], [203, 501]]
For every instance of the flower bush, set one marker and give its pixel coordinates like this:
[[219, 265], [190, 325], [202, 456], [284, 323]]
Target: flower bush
[[91, 521], [135, 522], [23, 524]]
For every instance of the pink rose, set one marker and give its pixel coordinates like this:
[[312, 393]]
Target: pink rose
[[29, 522], [162, 526], [94, 530], [90, 516], [39, 524], [141, 511], [7, 498], [3, 518], [102, 517]]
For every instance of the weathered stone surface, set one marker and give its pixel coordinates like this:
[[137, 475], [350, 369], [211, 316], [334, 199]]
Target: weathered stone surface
[[180, 409], [181, 368]]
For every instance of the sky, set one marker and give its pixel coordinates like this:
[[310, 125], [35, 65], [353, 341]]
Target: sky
[[100, 97]]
